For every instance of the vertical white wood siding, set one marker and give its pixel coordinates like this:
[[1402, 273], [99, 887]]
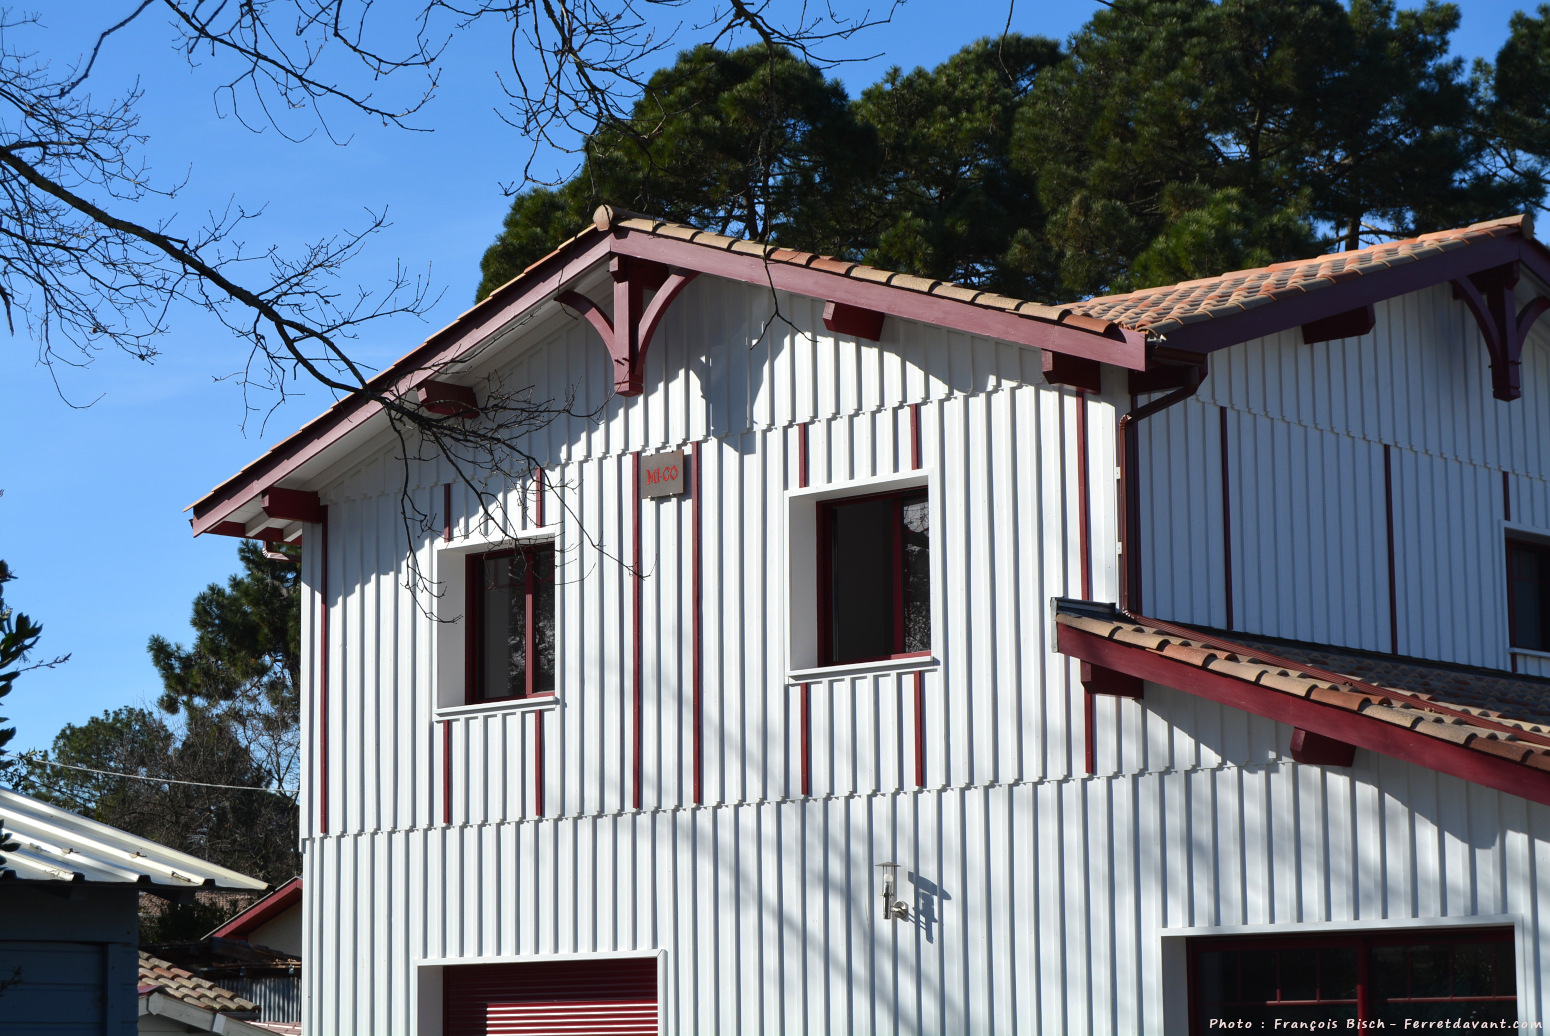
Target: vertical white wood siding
[[1038, 893], [1307, 428]]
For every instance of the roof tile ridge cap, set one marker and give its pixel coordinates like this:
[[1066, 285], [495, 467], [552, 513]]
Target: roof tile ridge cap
[[605, 216]]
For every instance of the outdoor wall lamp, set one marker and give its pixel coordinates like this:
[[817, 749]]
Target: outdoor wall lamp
[[893, 909]]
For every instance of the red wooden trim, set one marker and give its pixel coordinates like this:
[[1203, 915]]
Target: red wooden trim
[[442, 397], [1388, 513], [262, 912], [1116, 345], [1090, 732], [628, 334], [1506, 496], [446, 513], [920, 729], [915, 436], [1353, 323], [538, 761], [1084, 526], [1226, 521], [1130, 512], [323, 663], [291, 505], [806, 708], [696, 619], [1317, 717], [638, 646], [802, 455], [1308, 747], [538, 509], [843, 319], [446, 771]]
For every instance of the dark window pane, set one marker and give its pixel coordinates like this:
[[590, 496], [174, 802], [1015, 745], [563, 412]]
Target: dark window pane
[[1473, 964], [1217, 982], [502, 633], [1387, 971], [861, 573], [1337, 973], [1259, 976], [1299, 975], [916, 519], [1529, 585], [543, 620]]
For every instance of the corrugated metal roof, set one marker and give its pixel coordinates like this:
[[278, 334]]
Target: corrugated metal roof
[[57, 845]]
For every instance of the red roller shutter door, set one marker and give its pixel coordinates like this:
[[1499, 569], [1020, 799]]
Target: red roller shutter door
[[616, 997]]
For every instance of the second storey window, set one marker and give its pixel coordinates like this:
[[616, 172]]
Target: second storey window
[[1528, 594], [874, 581], [511, 630]]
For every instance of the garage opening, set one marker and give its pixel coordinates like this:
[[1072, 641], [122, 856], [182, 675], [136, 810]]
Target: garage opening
[[574, 997]]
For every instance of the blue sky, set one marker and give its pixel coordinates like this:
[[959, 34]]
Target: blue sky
[[91, 518]]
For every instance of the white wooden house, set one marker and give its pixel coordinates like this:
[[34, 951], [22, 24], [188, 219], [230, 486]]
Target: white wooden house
[[833, 580]]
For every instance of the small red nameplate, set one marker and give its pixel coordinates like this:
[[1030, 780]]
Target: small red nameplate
[[662, 474]]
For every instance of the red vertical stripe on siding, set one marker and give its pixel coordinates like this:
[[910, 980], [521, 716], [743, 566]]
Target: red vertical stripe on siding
[[446, 513], [696, 622], [1089, 724], [915, 436], [1388, 510], [323, 662], [539, 508], [1226, 523], [538, 761], [446, 771], [638, 647], [920, 729], [1084, 528], [804, 703], [802, 456], [1506, 496]]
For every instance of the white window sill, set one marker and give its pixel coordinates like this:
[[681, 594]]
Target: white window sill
[[881, 665], [1530, 652], [547, 701]]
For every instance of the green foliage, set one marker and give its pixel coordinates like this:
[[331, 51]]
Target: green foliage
[[1171, 139], [236, 693], [182, 922], [947, 202], [18, 635]]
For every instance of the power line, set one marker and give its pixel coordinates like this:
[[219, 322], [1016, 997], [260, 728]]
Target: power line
[[154, 780]]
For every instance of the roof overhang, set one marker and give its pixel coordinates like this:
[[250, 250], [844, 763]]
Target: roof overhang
[[1355, 291], [1335, 722], [232, 507]]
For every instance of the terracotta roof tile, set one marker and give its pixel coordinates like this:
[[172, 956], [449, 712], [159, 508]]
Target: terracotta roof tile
[[1170, 307], [158, 976]]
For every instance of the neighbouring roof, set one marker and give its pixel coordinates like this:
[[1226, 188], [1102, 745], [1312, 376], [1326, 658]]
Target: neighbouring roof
[[159, 976], [56, 845], [1172, 311], [1482, 725], [262, 912]]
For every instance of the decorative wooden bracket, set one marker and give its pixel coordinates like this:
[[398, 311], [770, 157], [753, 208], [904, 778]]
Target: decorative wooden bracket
[[1076, 371], [1099, 680], [628, 333], [843, 319], [1489, 296], [1320, 750], [443, 397], [1350, 324]]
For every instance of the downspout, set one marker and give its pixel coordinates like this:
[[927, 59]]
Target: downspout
[[1129, 488]]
